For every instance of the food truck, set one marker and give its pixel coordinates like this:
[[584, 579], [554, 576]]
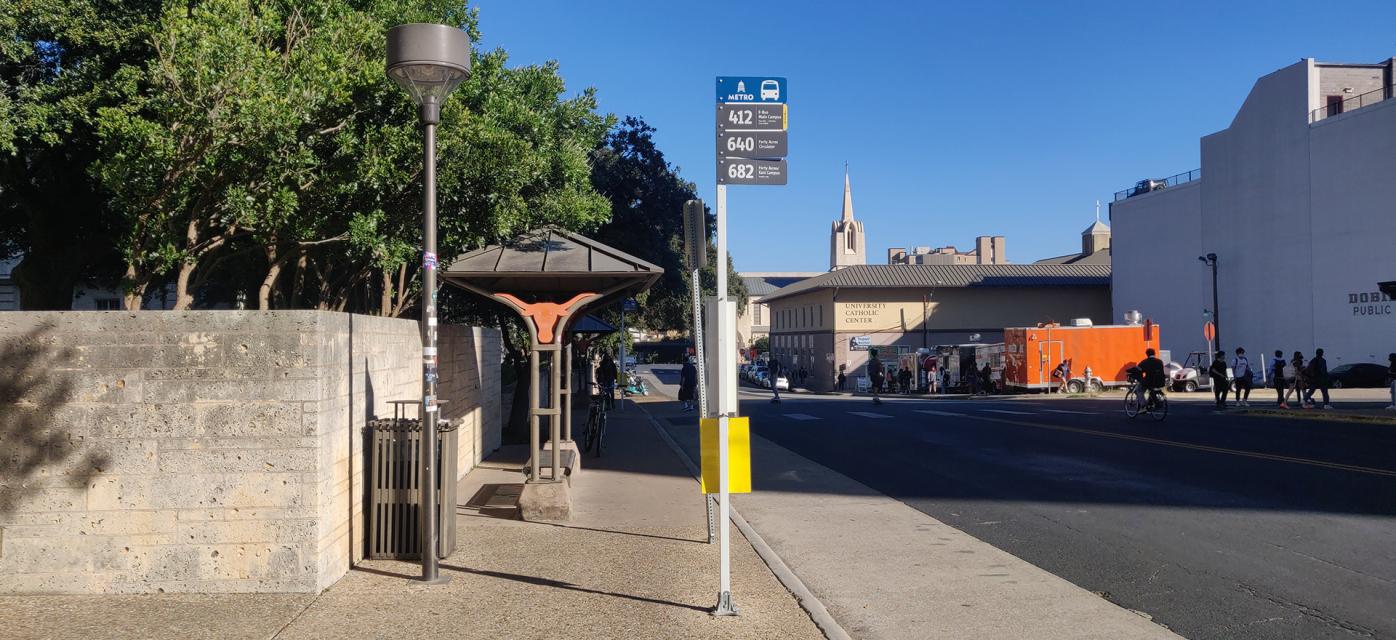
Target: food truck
[[1032, 354]]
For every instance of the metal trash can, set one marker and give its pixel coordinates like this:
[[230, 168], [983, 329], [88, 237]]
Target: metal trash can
[[395, 499]]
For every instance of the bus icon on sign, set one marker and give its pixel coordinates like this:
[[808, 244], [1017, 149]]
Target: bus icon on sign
[[770, 90]]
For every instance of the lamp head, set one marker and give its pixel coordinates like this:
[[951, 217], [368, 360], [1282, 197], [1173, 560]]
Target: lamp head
[[428, 61]]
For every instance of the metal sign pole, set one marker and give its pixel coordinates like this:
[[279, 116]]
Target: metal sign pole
[[724, 592], [621, 378]]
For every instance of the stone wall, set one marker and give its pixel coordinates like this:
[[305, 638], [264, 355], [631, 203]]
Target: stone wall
[[212, 451]]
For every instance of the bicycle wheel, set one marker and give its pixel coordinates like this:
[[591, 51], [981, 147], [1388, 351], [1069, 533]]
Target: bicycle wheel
[[1131, 404], [1160, 410], [600, 435], [592, 429]]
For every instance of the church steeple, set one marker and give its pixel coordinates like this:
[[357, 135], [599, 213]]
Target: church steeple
[[847, 196], [847, 246]]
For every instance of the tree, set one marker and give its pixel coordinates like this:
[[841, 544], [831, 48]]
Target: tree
[[647, 197], [59, 62]]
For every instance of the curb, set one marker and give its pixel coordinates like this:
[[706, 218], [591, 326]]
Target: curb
[[1320, 415], [792, 583]]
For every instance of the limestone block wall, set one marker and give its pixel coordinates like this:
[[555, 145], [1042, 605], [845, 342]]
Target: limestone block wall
[[212, 451]]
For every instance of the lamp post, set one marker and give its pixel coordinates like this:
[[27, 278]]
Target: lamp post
[[428, 61], [1211, 261]]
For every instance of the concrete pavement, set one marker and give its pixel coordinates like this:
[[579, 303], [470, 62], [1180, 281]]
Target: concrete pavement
[[633, 563], [886, 570], [1224, 526]]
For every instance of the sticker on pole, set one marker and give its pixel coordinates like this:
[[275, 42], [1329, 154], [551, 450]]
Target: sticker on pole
[[738, 455], [429, 260]]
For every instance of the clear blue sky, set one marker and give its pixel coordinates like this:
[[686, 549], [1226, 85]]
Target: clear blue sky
[[956, 119]]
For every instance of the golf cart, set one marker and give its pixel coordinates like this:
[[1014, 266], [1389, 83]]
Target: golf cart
[[1192, 374]]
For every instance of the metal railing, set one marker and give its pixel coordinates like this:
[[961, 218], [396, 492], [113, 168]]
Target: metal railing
[[1148, 186], [1356, 102]]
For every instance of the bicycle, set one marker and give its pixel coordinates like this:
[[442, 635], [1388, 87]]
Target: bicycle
[[1156, 405], [596, 420]]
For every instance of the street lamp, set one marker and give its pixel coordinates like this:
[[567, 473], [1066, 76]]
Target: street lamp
[[1211, 261], [428, 61]]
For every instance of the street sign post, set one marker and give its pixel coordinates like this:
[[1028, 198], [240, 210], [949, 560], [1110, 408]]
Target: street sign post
[[742, 89], [751, 145], [758, 117], [750, 171]]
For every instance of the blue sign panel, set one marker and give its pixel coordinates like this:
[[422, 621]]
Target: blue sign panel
[[751, 89]]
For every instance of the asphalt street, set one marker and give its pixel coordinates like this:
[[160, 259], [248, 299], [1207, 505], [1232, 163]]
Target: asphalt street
[[1216, 525]]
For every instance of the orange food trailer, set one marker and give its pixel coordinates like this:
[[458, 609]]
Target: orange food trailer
[[1032, 353]]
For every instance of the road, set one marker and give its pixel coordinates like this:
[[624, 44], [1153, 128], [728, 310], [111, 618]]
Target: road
[[1217, 526]]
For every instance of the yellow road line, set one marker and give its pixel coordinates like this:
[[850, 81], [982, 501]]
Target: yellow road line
[[1196, 447]]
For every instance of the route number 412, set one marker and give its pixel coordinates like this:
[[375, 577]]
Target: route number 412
[[739, 116]]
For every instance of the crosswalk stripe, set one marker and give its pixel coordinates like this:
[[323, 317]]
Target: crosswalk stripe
[[869, 414], [1077, 413], [1012, 413], [800, 416], [933, 412]]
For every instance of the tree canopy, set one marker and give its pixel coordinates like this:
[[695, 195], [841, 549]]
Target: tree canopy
[[253, 153]]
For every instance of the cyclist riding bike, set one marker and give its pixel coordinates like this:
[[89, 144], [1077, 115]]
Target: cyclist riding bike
[[1153, 378]]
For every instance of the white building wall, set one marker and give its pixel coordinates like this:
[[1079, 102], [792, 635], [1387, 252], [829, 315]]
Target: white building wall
[[1255, 204], [1303, 221], [1156, 240], [1354, 233]]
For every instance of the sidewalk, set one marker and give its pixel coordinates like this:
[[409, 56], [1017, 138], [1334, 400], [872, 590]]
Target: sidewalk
[[632, 563]]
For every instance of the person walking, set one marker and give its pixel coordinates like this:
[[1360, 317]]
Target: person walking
[[803, 375], [932, 379], [1245, 378], [877, 374], [1277, 378], [1391, 379], [904, 379], [688, 384], [986, 379], [1220, 385], [1317, 377], [1297, 383], [841, 379], [774, 376]]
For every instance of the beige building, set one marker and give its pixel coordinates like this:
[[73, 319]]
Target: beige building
[[754, 322], [987, 250], [815, 324]]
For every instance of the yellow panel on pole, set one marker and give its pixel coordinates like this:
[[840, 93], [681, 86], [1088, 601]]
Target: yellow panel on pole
[[738, 454]]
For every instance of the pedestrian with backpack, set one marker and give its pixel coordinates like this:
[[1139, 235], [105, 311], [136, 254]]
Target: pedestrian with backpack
[[1391, 379], [1245, 378], [1277, 377], [1297, 383], [1317, 377]]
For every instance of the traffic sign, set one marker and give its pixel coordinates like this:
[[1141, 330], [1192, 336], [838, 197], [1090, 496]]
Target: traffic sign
[[750, 171], [751, 89], [1209, 331], [630, 305], [760, 117], [752, 144]]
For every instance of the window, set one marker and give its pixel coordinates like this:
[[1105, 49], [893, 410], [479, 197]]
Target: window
[[756, 314], [107, 304], [1335, 105]]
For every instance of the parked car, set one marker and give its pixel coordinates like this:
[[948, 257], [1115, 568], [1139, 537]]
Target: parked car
[[782, 383], [1362, 375], [758, 377]]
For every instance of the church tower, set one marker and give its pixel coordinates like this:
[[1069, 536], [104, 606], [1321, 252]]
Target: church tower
[[847, 246]]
